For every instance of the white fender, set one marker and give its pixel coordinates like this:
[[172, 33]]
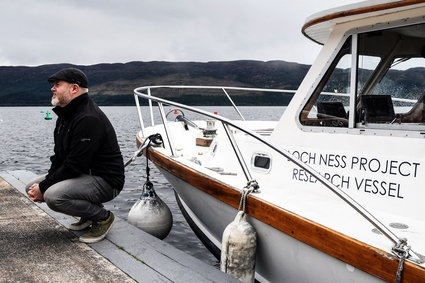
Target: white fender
[[152, 215], [239, 243]]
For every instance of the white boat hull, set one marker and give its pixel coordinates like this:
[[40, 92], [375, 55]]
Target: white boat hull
[[280, 258]]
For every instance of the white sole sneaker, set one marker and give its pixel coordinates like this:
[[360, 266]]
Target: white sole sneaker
[[98, 231], [80, 225]]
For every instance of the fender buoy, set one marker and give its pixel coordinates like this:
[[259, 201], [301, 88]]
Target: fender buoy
[[238, 249], [151, 214]]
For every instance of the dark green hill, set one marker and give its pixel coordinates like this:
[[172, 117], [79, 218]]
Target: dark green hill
[[113, 84]]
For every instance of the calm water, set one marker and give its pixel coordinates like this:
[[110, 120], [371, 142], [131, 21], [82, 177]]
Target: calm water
[[26, 141]]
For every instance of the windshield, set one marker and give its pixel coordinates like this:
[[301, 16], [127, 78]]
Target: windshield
[[389, 86]]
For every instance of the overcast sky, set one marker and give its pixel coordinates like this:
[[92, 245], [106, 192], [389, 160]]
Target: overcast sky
[[86, 32]]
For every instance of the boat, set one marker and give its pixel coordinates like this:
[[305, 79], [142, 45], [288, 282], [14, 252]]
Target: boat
[[334, 188]]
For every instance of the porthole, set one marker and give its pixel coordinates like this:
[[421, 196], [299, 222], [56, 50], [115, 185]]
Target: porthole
[[261, 162]]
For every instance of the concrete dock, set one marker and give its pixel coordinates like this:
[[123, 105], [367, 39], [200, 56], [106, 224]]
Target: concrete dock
[[36, 246]]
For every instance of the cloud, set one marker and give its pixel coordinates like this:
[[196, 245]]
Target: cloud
[[103, 31]]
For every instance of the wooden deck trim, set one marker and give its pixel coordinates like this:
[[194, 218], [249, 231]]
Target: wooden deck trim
[[358, 254], [357, 11]]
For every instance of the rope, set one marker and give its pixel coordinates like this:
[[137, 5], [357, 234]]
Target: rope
[[401, 249], [147, 162], [251, 186], [156, 139], [148, 186], [399, 270]]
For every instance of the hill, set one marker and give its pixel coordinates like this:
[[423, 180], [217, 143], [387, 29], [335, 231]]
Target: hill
[[113, 84]]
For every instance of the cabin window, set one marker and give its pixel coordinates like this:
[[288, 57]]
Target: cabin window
[[392, 95], [366, 66], [328, 105], [382, 73]]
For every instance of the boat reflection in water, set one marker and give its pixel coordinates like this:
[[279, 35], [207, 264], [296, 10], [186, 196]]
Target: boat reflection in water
[[340, 175]]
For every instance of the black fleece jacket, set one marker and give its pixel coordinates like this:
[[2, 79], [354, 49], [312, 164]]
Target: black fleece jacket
[[85, 143]]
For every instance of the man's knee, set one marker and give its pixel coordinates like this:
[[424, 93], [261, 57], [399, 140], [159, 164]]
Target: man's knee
[[54, 201]]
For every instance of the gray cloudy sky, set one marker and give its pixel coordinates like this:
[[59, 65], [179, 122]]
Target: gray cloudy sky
[[86, 32]]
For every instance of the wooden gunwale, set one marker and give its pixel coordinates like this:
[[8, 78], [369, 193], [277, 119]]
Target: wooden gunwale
[[357, 11], [358, 254]]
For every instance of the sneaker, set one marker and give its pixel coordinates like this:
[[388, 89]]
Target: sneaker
[[98, 230], [80, 225]]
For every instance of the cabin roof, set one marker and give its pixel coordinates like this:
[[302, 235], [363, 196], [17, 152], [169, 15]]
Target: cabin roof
[[319, 26]]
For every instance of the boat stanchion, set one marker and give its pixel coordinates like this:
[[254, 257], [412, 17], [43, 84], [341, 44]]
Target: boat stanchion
[[239, 244], [150, 213]]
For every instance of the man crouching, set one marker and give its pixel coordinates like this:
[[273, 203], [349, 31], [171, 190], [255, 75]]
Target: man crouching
[[87, 167]]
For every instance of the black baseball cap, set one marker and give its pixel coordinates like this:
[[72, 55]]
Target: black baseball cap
[[71, 75]]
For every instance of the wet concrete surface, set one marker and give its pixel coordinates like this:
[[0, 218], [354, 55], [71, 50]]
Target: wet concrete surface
[[36, 248]]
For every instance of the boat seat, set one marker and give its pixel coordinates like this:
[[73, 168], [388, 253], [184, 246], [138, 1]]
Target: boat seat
[[377, 108]]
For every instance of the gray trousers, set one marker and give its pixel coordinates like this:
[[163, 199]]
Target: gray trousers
[[82, 196]]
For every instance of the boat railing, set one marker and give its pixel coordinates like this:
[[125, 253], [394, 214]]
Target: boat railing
[[138, 92]]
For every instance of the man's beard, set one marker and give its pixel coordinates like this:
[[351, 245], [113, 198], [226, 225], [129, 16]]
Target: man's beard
[[55, 101], [63, 101]]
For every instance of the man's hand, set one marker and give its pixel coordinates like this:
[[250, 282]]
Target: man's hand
[[35, 194]]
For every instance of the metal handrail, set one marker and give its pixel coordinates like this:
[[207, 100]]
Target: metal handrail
[[328, 184]]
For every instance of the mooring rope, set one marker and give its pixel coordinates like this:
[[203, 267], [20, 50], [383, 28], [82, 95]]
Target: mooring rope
[[252, 186], [155, 139], [401, 249]]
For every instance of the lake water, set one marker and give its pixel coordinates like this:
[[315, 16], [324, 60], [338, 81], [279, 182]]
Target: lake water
[[26, 140]]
